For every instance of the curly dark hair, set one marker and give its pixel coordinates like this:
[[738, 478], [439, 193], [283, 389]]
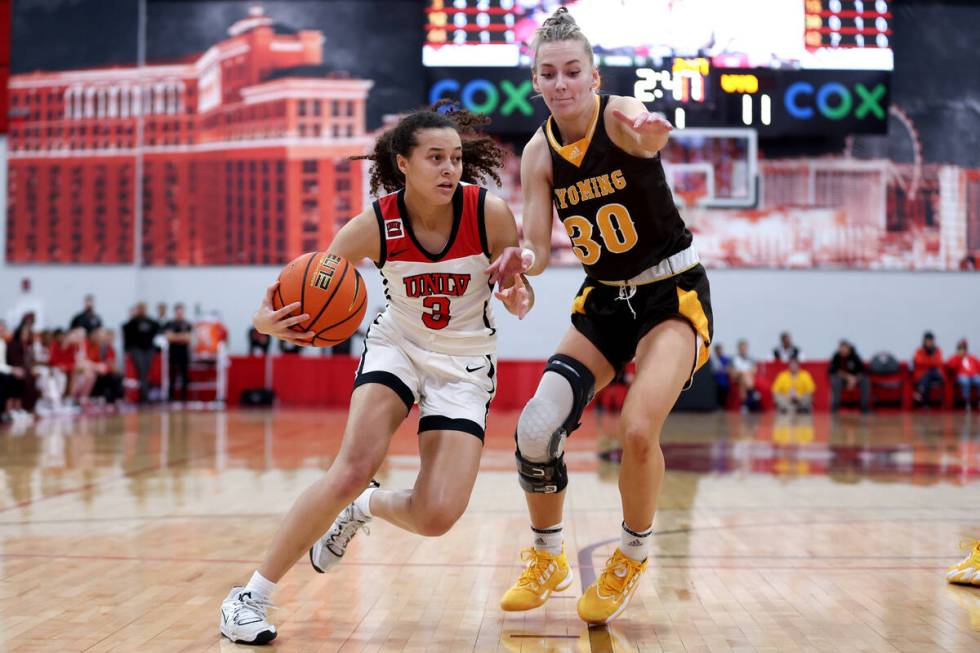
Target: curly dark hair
[[481, 154]]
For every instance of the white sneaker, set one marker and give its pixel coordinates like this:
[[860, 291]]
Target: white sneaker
[[329, 549], [243, 618]]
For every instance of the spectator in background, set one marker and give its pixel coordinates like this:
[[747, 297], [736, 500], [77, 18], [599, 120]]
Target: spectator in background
[[138, 334], [88, 319], [721, 371], [793, 389], [965, 368], [61, 366], [11, 382], [51, 381], [847, 371], [178, 332], [927, 370], [209, 336], [786, 350], [160, 340], [743, 375], [108, 380], [20, 355], [257, 342], [84, 371], [289, 348], [26, 303]]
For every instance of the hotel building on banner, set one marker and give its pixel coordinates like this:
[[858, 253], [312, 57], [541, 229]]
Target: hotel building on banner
[[244, 155]]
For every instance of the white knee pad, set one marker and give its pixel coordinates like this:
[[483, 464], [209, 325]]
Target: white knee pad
[[540, 436]]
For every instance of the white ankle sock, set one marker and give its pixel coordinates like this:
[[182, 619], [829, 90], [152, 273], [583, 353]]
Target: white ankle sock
[[260, 587], [548, 539], [636, 546], [363, 501]]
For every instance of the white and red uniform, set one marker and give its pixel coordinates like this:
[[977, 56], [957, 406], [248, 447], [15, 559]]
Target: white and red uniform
[[435, 343]]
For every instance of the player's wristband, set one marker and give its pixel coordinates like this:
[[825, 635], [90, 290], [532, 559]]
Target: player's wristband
[[527, 258]]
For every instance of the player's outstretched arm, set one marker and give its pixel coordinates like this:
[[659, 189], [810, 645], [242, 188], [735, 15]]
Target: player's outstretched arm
[[636, 130], [513, 290], [532, 257]]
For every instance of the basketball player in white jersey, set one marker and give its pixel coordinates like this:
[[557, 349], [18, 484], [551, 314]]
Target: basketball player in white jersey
[[432, 239]]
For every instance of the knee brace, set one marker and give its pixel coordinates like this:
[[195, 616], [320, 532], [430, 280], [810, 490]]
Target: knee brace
[[552, 414]]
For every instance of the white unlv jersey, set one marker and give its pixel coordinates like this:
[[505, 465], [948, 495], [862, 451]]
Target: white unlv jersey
[[440, 302]]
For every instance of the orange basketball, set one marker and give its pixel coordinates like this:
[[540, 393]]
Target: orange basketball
[[329, 290]]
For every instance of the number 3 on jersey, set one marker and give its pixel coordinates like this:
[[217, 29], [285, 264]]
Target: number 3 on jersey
[[439, 317], [616, 231]]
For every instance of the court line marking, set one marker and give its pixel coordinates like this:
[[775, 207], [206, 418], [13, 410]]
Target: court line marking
[[600, 639]]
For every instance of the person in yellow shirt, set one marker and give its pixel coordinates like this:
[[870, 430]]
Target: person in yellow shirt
[[793, 389]]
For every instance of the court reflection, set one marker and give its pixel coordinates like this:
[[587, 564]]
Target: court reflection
[[909, 448], [151, 450]]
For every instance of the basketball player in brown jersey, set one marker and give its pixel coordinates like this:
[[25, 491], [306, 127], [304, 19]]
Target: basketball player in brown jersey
[[596, 162]]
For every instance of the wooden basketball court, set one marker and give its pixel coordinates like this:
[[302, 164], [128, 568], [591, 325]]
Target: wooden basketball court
[[123, 533]]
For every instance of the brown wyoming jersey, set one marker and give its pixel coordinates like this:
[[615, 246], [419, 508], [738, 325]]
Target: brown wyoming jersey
[[617, 208]]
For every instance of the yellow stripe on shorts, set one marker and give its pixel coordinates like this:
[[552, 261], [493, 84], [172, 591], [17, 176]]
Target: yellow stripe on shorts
[[689, 305], [578, 304]]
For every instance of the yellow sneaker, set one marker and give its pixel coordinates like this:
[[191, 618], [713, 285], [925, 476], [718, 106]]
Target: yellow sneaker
[[606, 598], [967, 572], [543, 575]]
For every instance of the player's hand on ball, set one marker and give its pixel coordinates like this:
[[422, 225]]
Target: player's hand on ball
[[275, 323], [516, 299], [645, 123]]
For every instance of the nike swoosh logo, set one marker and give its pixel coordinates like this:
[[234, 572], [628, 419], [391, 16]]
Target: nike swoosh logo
[[397, 253], [478, 367]]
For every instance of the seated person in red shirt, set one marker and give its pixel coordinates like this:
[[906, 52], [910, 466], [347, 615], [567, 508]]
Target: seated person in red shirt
[[61, 355], [966, 368], [927, 370]]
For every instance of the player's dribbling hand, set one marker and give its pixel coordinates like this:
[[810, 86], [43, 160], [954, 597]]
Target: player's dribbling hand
[[509, 264], [515, 299], [275, 323], [645, 123]]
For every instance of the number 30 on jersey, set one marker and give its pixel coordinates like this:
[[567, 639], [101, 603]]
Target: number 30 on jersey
[[617, 233]]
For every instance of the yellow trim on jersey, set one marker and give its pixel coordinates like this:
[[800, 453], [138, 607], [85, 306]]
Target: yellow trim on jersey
[[689, 305], [574, 153], [578, 305]]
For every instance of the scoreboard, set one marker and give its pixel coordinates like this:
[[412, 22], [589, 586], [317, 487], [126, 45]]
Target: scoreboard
[[796, 34], [487, 21], [848, 24], [786, 67]]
